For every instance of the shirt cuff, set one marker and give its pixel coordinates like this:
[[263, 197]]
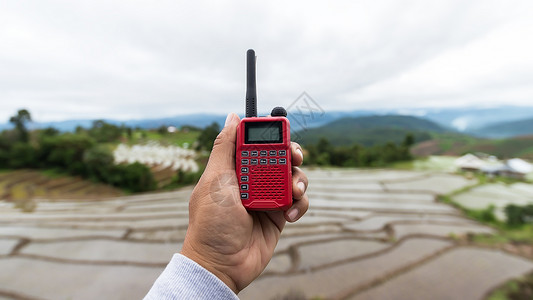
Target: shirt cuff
[[185, 279]]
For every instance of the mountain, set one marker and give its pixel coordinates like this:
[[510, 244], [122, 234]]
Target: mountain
[[506, 129], [369, 130], [299, 120], [468, 120], [198, 120]]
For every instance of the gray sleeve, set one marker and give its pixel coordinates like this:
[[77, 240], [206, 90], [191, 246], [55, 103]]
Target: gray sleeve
[[185, 279]]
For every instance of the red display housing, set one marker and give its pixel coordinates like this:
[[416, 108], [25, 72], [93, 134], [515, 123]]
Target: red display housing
[[263, 168]]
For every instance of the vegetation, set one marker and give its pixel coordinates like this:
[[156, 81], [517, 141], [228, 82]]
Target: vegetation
[[19, 121], [323, 153], [88, 152], [518, 227], [74, 153], [519, 215], [207, 137], [517, 289]]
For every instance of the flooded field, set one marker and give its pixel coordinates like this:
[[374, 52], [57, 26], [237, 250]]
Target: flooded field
[[369, 234]]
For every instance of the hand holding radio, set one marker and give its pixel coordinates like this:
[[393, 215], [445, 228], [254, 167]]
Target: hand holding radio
[[232, 243]]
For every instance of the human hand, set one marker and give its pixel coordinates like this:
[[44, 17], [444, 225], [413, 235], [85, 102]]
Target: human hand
[[223, 237]]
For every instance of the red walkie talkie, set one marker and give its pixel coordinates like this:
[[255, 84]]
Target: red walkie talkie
[[263, 154]]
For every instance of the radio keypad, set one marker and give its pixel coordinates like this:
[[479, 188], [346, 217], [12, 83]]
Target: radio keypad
[[252, 159]]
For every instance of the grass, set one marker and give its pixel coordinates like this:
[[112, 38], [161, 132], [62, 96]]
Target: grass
[[520, 235], [54, 173], [519, 288]]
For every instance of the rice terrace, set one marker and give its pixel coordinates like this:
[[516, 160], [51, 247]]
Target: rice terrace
[[104, 210]]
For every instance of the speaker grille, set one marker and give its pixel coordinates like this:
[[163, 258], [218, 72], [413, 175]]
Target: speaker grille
[[268, 183]]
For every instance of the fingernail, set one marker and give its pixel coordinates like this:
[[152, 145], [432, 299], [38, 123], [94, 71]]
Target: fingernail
[[228, 119], [301, 186], [293, 214], [301, 154]]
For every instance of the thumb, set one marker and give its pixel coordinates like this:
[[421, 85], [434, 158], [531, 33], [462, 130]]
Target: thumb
[[223, 154]]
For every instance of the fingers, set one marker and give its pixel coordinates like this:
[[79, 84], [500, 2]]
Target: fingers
[[300, 199], [297, 156]]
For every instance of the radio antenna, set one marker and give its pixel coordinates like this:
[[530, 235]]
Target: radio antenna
[[251, 93]]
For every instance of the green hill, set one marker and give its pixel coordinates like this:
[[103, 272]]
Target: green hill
[[506, 129], [370, 130]]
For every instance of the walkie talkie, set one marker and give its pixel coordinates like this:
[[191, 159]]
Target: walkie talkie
[[263, 154]]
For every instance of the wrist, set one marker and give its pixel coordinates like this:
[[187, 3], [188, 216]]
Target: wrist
[[195, 256]]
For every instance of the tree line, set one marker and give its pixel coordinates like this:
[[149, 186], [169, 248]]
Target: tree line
[[324, 153], [83, 153]]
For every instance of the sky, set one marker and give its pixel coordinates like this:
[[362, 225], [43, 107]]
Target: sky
[[129, 59]]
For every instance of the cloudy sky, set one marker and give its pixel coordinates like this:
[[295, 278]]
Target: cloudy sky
[[149, 59]]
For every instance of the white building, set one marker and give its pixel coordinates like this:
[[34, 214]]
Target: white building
[[515, 168]]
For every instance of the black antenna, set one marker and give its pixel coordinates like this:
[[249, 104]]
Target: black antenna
[[251, 93]]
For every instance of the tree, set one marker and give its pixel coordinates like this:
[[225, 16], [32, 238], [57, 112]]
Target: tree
[[65, 151], [104, 132], [19, 121], [22, 155], [409, 140], [207, 137]]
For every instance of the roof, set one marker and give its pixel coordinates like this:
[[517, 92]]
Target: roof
[[518, 165]]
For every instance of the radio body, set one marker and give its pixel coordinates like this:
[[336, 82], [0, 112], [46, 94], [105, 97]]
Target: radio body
[[263, 163], [263, 154]]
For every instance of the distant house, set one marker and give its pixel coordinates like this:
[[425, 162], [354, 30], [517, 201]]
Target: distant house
[[469, 162], [490, 165], [516, 168]]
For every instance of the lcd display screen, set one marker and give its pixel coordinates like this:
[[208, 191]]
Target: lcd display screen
[[263, 133]]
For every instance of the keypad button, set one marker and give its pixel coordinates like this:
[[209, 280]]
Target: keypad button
[[245, 153], [253, 161], [244, 161], [282, 152], [244, 178], [244, 195], [263, 153], [273, 161], [244, 187], [244, 169], [254, 153], [282, 161], [272, 153], [263, 161]]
